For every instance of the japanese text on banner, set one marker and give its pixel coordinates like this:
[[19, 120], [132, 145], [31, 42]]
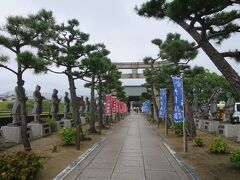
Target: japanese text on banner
[[162, 103], [178, 99]]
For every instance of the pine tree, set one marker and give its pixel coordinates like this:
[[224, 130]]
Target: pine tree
[[93, 68], [17, 35], [66, 49], [207, 22]]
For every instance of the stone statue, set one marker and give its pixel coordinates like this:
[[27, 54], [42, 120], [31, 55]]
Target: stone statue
[[66, 105], [87, 109], [81, 106], [213, 102], [87, 104], [37, 108], [196, 107], [55, 103], [204, 108], [16, 110], [229, 107]]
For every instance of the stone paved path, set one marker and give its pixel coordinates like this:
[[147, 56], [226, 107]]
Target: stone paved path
[[132, 152]]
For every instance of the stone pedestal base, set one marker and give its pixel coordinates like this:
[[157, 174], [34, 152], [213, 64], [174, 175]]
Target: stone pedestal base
[[39, 129], [199, 123], [238, 139], [229, 130], [83, 120], [211, 126], [60, 124], [13, 133], [207, 125], [68, 122]]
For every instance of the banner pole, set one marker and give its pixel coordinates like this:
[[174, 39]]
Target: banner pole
[[166, 120], [185, 148]]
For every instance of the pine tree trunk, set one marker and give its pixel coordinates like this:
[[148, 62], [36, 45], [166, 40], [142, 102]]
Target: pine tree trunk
[[223, 66], [100, 104], [24, 135], [154, 103], [170, 107], [75, 107], [191, 128], [92, 128]]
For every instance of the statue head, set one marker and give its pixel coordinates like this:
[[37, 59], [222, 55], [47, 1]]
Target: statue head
[[55, 91], [66, 93], [229, 95], [38, 88]]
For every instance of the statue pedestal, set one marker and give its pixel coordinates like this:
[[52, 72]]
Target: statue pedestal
[[83, 120], [238, 139], [68, 122], [60, 124], [39, 129], [13, 133], [211, 126], [207, 125], [229, 130], [199, 123]]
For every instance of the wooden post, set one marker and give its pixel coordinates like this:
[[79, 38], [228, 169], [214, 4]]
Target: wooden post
[[185, 142]]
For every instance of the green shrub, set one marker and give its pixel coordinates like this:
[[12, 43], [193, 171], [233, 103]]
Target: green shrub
[[178, 128], [235, 158], [68, 135], [10, 105], [52, 123], [198, 140], [20, 165], [218, 145], [69, 116]]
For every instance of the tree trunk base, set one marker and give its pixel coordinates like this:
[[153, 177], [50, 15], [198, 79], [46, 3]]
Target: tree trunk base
[[86, 138], [28, 149], [92, 130], [104, 127]]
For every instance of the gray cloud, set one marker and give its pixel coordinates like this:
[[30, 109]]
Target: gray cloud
[[112, 22]]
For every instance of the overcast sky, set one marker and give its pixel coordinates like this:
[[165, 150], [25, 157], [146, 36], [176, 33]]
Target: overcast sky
[[112, 22]]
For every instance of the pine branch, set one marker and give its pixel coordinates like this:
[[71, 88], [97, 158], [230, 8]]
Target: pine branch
[[24, 69], [231, 54], [235, 2], [85, 80], [224, 21], [215, 10], [185, 62], [1, 65], [222, 33], [56, 72]]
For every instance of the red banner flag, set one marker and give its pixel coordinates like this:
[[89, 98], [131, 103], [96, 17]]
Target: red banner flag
[[114, 105], [125, 108]]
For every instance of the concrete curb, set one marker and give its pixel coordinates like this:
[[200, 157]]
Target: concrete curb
[[78, 161], [185, 167]]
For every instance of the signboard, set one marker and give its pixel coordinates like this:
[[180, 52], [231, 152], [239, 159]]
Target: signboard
[[108, 105], [178, 99], [162, 103]]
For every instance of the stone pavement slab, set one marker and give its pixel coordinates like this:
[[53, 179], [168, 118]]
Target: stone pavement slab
[[133, 151]]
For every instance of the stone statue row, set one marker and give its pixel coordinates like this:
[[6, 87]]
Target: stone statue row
[[209, 110], [37, 108]]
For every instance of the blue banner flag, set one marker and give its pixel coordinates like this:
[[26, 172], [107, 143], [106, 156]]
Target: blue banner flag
[[178, 99], [162, 103], [146, 106]]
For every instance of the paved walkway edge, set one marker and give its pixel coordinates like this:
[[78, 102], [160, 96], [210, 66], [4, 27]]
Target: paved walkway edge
[[78, 161], [185, 167]]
